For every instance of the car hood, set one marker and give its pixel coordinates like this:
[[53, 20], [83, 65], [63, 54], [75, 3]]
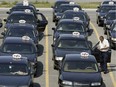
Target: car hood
[[113, 34], [14, 80], [63, 52], [81, 77], [31, 57]]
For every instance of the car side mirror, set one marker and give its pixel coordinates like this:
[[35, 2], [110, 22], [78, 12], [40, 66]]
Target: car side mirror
[[53, 29], [5, 20], [8, 12], [3, 33], [37, 10], [52, 6], [98, 6], [97, 10], [52, 45]]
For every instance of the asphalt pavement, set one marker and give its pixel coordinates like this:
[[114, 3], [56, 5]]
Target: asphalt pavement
[[47, 76]]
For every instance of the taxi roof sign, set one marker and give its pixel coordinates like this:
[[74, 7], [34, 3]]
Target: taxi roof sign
[[22, 21], [76, 18], [16, 56], [76, 9], [25, 38], [76, 33], [111, 3], [84, 54], [25, 3], [72, 3]]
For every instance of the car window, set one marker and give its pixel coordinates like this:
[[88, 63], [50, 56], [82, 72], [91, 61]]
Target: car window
[[20, 32], [80, 66], [13, 69], [16, 18], [73, 44], [71, 27], [18, 47]]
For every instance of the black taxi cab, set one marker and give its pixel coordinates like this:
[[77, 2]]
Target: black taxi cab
[[69, 44], [56, 6], [111, 35], [81, 14], [28, 16], [22, 45], [16, 71], [102, 11], [68, 26], [79, 70]]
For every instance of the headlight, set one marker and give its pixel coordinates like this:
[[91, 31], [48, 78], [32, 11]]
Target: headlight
[[67, 83], [59, 58], [114, 39], [58, 17], [101, 17], [54, 39], [95, 84], [5, 29]]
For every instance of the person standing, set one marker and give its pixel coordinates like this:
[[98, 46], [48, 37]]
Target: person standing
[[103, 47]]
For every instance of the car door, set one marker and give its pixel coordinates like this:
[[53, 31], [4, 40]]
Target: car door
[[42, 22], [97, 55]]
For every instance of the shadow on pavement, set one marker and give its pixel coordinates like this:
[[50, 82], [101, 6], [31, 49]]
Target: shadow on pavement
[[103, 85], [39, 69], [90, 32], [40, 48], [37, 85]]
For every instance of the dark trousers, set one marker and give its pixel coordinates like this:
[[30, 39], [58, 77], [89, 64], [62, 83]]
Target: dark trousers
[[103, 62]]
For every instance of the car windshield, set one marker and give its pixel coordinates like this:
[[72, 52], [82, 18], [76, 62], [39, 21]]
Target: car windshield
[[18, 48], [20, 32], [80, 66], [15, 18], [111, 16], [106, 9], [73, 44], [71, 26], [63, 8], [71, 16], [13, 69]]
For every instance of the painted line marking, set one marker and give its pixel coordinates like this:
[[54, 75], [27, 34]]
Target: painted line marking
[[111, 74], [46, 58]]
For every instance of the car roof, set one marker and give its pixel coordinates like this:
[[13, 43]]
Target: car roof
[[71, 36], [9, 59], [78, 57], [17, 40]]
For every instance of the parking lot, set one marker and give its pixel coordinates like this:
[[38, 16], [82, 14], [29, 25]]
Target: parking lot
[[47, 76]]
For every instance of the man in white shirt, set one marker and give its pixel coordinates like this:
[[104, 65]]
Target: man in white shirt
[[103, 47]]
